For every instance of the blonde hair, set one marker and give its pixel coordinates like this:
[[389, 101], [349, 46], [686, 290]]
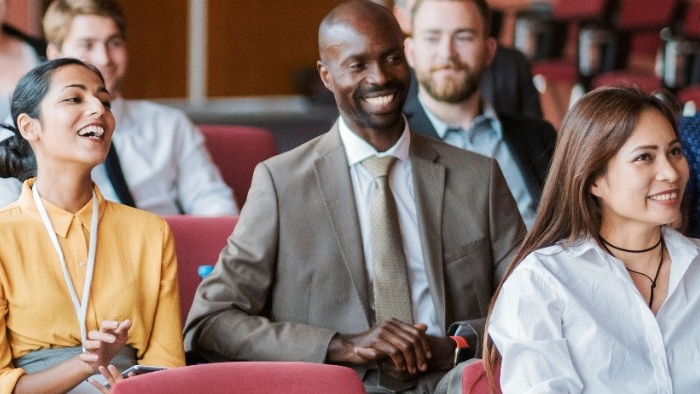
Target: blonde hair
[[60, 14]]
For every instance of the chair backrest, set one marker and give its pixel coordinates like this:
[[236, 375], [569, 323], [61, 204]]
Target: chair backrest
[[691, 20], [579, 10], [689, 93], [236, 150], [198, 241], [474, 379], [645, 14], [246, 377]]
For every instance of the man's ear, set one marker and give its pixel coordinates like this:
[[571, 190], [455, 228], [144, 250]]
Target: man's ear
[[491, 46], [325, 75], [52, 52], [28, 127], [408, 50]]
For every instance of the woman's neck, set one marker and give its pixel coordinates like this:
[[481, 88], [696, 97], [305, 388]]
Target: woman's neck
[[67, 191], [630, 237]]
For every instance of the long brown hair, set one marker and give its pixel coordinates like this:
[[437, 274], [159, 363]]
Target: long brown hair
[[592, 132]]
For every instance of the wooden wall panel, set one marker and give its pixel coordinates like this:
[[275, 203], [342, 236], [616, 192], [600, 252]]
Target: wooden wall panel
[[157, 42], [255, 46]]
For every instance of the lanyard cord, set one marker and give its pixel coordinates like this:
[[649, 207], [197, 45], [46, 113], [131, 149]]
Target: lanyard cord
[[79, 307]]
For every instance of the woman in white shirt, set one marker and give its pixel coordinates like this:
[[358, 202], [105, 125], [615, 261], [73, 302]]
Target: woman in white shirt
[[603, 295]]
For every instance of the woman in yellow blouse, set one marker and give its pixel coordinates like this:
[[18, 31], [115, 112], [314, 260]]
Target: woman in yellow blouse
[[84, 282]]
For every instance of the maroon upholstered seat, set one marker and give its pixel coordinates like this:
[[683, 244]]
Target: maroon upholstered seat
[[240, 377], [198, 241], [474, 379], [236, 150]]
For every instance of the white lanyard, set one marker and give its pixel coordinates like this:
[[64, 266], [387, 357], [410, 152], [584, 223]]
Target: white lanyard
[[79, 307]]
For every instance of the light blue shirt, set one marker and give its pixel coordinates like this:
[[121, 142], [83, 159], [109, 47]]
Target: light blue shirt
[[485, 136], [401, 183]]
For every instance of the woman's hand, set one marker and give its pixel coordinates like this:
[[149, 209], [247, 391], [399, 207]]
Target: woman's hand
[[101, 346], [111, 373]]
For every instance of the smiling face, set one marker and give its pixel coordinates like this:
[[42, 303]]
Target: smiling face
[[643, 183], [96, 40], [363, 64], [450, 49], [75, 123]]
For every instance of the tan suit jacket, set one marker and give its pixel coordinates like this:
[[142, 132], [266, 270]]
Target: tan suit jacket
[[293, 272]]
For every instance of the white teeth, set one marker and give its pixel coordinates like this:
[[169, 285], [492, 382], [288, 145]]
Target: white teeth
[[383, 100], [91, 131], [664, 197]]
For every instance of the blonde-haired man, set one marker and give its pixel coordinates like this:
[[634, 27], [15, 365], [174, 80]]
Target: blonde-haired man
[[162, 156]]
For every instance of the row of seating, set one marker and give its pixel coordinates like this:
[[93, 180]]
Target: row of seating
[[269, 378], [580, 45]]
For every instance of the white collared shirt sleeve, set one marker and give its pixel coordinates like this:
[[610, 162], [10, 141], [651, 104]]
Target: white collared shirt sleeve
[[570, 320], [527, 324]]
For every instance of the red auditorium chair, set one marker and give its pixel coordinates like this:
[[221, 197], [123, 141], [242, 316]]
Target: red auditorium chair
[[198, 241], [239, 377], [642, 21], [236, 150], [690, 33], [561, 74], [690, 93], [474, 379]]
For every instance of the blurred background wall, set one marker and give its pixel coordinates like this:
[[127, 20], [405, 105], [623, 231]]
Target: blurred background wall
[[254, 47]]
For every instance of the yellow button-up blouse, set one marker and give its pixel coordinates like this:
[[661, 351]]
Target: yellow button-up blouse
[[135, 278]]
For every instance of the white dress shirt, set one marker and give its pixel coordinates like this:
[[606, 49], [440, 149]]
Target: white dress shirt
[[165, 162], [10, 189], [485, 137], [401, 183], [570, 320]]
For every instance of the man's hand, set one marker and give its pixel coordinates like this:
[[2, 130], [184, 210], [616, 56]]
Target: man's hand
[[402, 347]]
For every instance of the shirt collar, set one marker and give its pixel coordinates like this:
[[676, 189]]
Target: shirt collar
[[681, 249], [60, 219], [488, 114], [357, 149]]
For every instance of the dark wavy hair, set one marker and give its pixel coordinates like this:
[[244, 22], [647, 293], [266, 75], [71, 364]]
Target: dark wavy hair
[[16, 156]]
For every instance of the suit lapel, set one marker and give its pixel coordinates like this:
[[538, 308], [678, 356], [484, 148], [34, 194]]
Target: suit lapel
[[429, 182], [417, 118], [333, 177]]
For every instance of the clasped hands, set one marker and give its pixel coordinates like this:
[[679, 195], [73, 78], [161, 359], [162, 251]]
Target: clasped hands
[[101, 347], [400, 349]]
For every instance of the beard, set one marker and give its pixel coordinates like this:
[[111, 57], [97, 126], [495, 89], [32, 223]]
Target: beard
[[452, 90]]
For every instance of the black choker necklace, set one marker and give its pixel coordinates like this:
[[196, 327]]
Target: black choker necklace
[[630, 250], [658, 269]]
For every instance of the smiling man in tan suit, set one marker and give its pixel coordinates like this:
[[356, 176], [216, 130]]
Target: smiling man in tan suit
[[295, 282]]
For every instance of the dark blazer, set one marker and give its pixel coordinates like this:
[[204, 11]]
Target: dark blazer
[[506, 84], [293, 272], [532, 142]]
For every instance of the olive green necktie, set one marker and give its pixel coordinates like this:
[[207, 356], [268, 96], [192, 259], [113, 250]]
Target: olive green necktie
[[392, 297]]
